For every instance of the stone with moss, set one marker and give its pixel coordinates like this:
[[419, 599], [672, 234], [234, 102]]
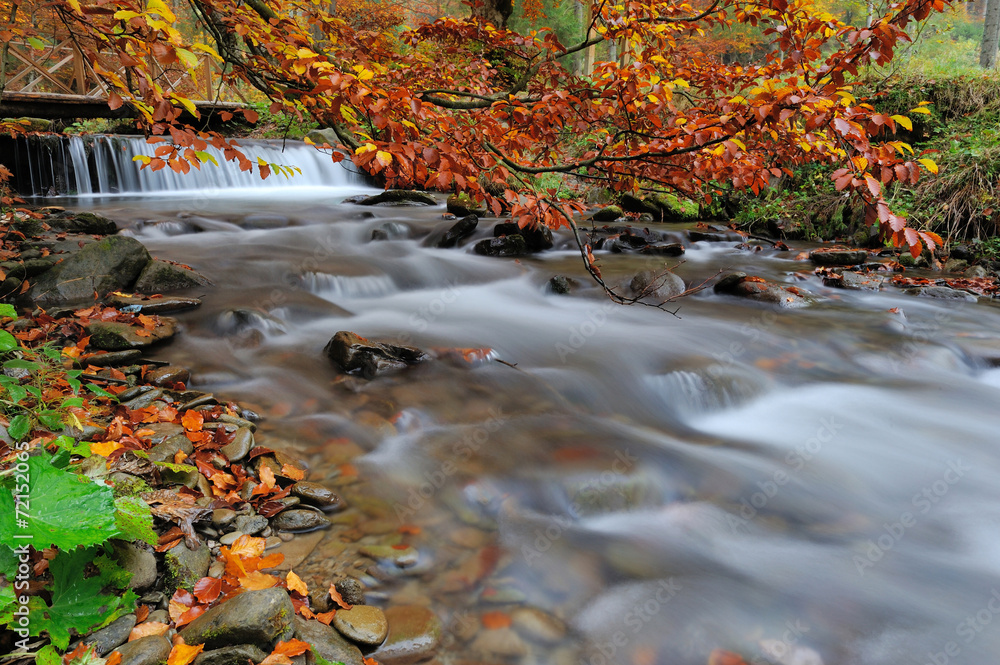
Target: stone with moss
[[261, 618], [111, 264], [163, 277], [117, 336], [186, 566], [463, 205]]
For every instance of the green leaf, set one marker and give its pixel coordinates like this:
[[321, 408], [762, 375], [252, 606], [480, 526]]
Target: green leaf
[[7, 341], [19, 427], [77, 602], [320, 660], [6, 598], [66, 509], [48, 655], [133, 519], [70, 445], [97, 390], [21, 364], [8, 311], [51, 418], [8, 562], [36, 43]]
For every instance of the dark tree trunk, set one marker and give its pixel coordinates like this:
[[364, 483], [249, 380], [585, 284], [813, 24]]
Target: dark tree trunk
[[498, 11]]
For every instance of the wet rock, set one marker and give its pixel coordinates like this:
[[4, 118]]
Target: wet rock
[[976, 272], [838, 256], [238, 421], [513, 245], [169, 375], [669, 249], [536, 239], [143, 399], [500, 643], [238, 654], [299, 520], [942, 292], [459, 231], [223, 517], [160, 432], [250, 524], [627, 243], [163, 276], [112, 635], [140, 562], [241, 444], [186, 566], [317, 495], [402, 556], [362, 624], [660, 209], [391, 231], [399, 197], [608, 214], [327, 642], [700, 236], [112, 359], [83, 222], [962, 252], [231, 537], [561, 285], [260, 618], [956, 265], [111, 264], [756, 288], [659, 285], [243, 319], [463, 205], [538, 626], [351, 590], [414, 635], [151, 650], [115, 336], [854, 281], [356, 355], [322, 137]]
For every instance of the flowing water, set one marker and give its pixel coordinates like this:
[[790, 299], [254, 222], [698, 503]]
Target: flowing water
[[787, 484]]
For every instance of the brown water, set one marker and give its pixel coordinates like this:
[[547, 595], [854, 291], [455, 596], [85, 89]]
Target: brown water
[[814, 483]]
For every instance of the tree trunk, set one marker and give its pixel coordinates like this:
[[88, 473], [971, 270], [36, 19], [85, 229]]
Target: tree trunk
[[991, 36], [497, 11], [580, 60]]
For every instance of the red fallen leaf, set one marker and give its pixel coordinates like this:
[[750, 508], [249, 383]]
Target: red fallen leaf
[[189, 616], [337, 598], [494, 620], [80, 650], [141, 612], [207, 589], [114, 658], [148, 628]]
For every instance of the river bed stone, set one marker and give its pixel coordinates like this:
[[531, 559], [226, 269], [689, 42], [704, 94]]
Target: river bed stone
[[260, 618], [362, 624], [414, 635]]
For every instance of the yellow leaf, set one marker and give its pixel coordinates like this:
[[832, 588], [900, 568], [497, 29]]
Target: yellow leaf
[[368, 147], [904, 121], [187, 103], [182, 654], [104, 448], [295, 583], [929, 164], [384, 158], [923, 110], [365, 75], [75, 4], [161, 8], [125, 15], [189, 59]]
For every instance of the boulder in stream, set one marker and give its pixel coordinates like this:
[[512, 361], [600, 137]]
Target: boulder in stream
[[354, 354], [536, 239], [838, 256], [463, 205], [116, 336], [399, 197], [756, 288], [163, 276], [260, 618], [111, 264], [512, 245], [459, 231]]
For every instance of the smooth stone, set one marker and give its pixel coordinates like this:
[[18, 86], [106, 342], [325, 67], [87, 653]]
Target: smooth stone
[[536, 239], [402, 556], [414, 635], [114, 634], [838, 257], [656, 285], [153, 305], [112, 358], [459, 231], [223, 517], [753, 288], [242, 443], [327, 642], [239, 422], [186, 566], [354, 354], [238, 654], [161, 431], [607, 214], [144, 399], [162, 276], [151, 650], [500, 643], [537, 625], [403, 197], [317, 495], [299, 520], [230, 538], [260, 618], [976, 272], [115, 336], [363, 624], [942, 292], [167, 376], [855, 281], [140, 562], [165, 452], [670, 249], [251, 524]]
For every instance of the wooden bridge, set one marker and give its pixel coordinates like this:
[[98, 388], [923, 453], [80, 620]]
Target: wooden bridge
[[57, 81]]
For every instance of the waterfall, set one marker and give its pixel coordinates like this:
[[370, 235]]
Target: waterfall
[[104, 165]]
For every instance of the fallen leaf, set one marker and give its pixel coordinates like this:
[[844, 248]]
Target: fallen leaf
[[256, 580], [114, 658], [326, 617], [182, 654], [337, 598], [295, 583], [104, 448], [207, 589], [292, 472], [148, 628], [494, 620]]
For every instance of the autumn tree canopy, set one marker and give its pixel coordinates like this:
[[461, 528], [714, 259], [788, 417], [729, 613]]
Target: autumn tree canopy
[[460, 103]]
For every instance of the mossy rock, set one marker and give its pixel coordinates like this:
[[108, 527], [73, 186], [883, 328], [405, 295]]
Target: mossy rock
[[186, 566], [463, 205], [111, 264], [164, 277]]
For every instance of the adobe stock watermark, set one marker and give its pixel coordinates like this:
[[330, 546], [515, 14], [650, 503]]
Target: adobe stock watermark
[[420, 320], [968, 629], [922, 501], [795, 460], [546, 538], [463, 449], [21, 620], [633, 621]]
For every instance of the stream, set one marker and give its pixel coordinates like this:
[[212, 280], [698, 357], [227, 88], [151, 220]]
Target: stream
[[799, 486]]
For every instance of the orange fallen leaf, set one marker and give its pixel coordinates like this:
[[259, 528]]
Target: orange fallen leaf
[[182, 654], [337, 598], [292, 472], [266, 477], [295, 583], [369, 661], [723, 657], [142, 332], [114, 658], [192, 420], [104, 448], [207, 589], [326, 617], [148, 628], [256, 580], [494, 620]]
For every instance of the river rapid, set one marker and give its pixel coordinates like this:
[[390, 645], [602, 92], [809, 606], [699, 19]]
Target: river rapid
[[814, 485]]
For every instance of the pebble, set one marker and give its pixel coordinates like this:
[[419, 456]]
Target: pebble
[[169, 375], [318, 495], [116, 633], [241, 444], [251, 524], [299, 520], [351, 590], [239, 422], [217, 569], [230, 538], [363, 624], [414, 634], [500, 643], [150, 650]]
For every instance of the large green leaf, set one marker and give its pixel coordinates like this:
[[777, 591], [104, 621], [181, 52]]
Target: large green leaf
[[134, 520], [78, 602], [66, 509]]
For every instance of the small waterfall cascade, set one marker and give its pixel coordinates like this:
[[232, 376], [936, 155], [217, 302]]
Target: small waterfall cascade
[[104, 165]]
